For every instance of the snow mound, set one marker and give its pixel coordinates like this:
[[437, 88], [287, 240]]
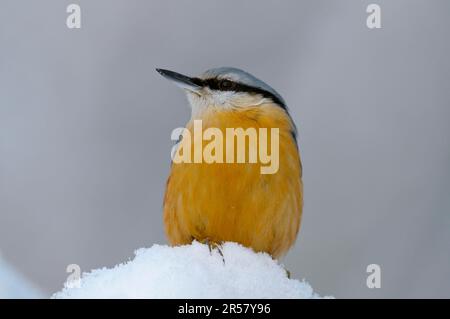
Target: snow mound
[[14, 285], [191, 271]]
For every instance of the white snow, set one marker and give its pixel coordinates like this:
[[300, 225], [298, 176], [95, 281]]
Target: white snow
[[14, 285], [191, 271]]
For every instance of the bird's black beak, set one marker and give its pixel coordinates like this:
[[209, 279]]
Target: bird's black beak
[[181, 80]]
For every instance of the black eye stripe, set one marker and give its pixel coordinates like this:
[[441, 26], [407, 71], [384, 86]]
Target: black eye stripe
[[214, 84], [228, 85]]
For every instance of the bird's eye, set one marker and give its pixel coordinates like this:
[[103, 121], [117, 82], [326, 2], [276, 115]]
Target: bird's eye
[[226, 85]]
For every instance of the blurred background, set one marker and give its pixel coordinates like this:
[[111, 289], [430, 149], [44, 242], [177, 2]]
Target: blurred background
[[85, 125]]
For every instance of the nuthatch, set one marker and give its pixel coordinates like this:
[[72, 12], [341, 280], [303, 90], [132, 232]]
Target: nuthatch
[[223, 201]]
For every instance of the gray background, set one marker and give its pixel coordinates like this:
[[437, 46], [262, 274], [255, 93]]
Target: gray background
[[85, 125]]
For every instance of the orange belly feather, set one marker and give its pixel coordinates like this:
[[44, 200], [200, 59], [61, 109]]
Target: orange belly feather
[[235, 202]]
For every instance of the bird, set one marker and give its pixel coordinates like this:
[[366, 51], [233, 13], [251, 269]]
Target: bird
[[222, 202]]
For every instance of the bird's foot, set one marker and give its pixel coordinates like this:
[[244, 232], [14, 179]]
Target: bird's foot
[[214, 245], [288, 273]]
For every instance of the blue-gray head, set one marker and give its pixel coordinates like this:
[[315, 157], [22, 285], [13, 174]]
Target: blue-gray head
[[224, 87]]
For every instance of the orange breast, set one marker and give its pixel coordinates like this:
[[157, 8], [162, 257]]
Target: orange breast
[[235, 202]]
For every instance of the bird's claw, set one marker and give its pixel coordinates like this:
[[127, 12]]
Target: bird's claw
[[214, 245], [288, 273]]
